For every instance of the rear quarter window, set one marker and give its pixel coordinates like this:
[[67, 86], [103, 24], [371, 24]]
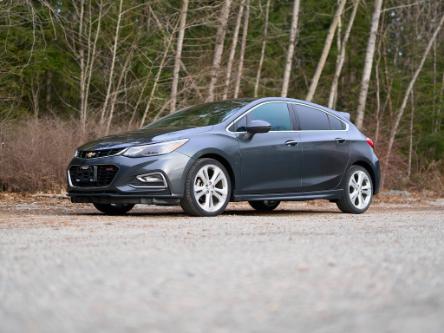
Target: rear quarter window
[[336, 124]]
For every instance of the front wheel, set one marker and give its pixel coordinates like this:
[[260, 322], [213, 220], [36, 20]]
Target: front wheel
[[358, 191], [113, 209], [264, 205], [207, 188]]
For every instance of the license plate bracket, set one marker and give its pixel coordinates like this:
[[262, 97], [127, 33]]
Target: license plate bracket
[[86, 174]]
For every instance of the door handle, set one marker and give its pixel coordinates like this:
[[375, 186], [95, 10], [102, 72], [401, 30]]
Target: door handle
[[340, 140], [291, 143]]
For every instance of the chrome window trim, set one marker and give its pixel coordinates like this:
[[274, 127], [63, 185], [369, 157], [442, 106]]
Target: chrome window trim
[[297, 131]]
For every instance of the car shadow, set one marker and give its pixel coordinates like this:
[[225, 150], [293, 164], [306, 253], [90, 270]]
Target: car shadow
[[159, 212]]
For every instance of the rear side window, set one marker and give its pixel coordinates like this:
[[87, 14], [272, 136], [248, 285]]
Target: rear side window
[[336, 124], [276, 114], [311, 119]]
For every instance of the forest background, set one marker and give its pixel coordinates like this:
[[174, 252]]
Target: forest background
[[71, 71]]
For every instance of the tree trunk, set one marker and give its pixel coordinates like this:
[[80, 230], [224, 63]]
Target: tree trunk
[[408, 91], [242, 50], [369, 55], [113, 63], [378, 102], [178, 57], [82, 66], [116, 91], [233, 49], [440, 103], [332, 99], [90, 64], [325, 51], [412, 115], [156, 79], [264, 44], [291, 46], [219, 48]]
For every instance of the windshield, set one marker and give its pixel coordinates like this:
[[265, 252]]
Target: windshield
[[200, 115]]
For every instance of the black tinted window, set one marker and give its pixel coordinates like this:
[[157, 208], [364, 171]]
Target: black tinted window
[[274, 113], [311, 119], [336, 124]]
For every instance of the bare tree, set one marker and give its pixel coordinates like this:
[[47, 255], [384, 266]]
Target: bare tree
[[325, 51], [178, 57], [408, 92], [82, 64], [291, 46], [264, 44], [113, 64], [412, 116], [440, 103], [116, 91], [369, 55], [233, 49], [341, 57], [242, 50], [219, 47], [90, 63], [156, 79]]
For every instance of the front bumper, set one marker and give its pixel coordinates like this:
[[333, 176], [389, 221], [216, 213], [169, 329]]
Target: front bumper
[[125, 188]]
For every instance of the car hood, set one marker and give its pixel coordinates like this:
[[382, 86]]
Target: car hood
[[142, 136]]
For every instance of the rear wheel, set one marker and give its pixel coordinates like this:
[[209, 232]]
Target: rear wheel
[[114, 209], [207, 188], [358, 191], [264, 205]]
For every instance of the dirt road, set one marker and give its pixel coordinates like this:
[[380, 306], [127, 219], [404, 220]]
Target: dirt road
[[303, 268]]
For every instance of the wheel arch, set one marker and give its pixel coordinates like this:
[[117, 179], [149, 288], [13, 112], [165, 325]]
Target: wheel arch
[[367, 166], [225, 163]]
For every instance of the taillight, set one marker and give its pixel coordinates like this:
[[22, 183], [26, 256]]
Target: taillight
[[370, 143]]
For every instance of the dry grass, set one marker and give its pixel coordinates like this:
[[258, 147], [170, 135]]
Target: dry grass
[[34, 154]]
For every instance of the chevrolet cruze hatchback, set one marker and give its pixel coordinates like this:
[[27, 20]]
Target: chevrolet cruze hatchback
[[263, 151]]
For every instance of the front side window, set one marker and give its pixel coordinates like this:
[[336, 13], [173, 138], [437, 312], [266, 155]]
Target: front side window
[[276, 114], [311, 119]]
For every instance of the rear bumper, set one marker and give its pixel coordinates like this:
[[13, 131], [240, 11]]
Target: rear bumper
[[377, 177]]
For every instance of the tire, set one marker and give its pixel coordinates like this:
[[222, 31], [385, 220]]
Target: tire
[[264, 205], [114, 209], [207, 188], [358, 191]]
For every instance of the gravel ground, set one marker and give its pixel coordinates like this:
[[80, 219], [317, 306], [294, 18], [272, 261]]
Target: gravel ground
[[303, 268]]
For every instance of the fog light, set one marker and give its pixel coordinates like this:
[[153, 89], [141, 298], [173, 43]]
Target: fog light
[[155, 180]]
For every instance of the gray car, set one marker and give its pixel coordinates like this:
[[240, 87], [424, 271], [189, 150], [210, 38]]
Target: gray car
[[263, 151]]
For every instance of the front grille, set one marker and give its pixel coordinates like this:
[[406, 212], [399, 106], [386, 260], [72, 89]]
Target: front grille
[[87, 154], [92, 176]]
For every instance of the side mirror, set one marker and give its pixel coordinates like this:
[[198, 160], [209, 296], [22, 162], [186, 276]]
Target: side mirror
[[258, 126]]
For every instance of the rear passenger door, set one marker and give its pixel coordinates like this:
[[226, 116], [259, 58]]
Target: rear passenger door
[[325, 150]]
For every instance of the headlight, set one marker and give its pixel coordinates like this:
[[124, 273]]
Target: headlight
[[154, 149]]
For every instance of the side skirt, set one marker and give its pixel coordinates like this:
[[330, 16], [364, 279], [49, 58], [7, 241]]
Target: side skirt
[[328, 195]]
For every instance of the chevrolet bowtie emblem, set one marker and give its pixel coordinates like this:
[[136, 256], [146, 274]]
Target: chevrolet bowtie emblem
[[90, 154]]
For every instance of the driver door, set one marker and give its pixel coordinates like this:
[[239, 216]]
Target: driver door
[[270, 162]]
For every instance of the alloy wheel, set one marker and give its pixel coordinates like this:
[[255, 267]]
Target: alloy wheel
[[210, 188], [360, 189]]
